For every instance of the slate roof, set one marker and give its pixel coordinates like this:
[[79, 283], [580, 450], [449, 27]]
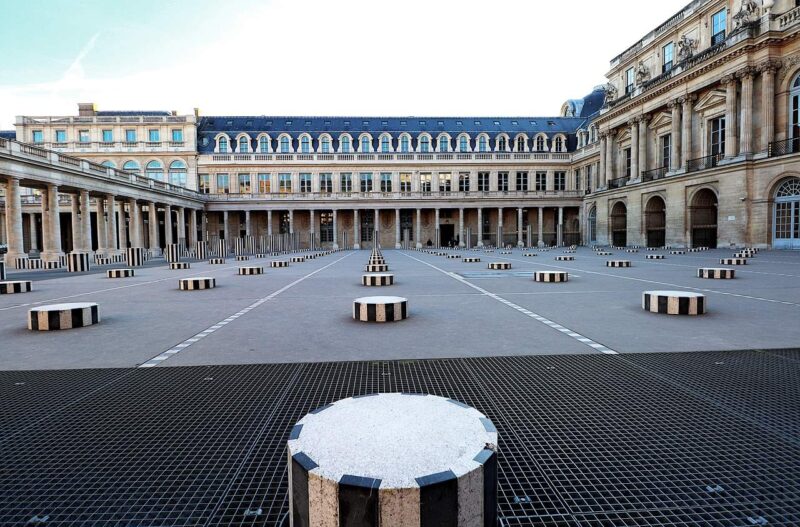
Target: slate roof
[[8, 134], [132, 113]]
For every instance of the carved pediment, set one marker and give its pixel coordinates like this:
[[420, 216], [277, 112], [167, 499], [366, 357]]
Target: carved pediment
[[660, 120], [624, 135], [710, 101]]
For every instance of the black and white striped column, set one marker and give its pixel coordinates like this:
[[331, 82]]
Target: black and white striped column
[[377, 280], [565, 258], [392, 459], [201, 250], [716, 273], [250, 270], [175, 266], [172, 252], [15, 286], [216, 261], [453, 256], [135, 256], [471, 259], [654, 256], [380, 309], [279, 263], [119, 273], [499, 266], [63, 316], [733, 261], [603, 253], [196, 283], [618, 263], [376, 268], [677, 252], [550, 276], [298, 259], [529, 255], [674, 302], [77, 262], [242, 258]]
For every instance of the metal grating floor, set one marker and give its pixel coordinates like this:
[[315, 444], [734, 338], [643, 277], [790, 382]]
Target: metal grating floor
[[700, 439]]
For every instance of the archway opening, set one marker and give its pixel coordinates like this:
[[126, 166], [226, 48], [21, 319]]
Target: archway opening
[[619, 225], [786, 215], [592, 225], [703, 219], [655, 222]]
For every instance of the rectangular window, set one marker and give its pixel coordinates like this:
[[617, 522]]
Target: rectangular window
[[326, 227], [285, 183], [483, 181], [502, 181], [305, 182], [130, 135], [61, 136], [366, 181], [445, 182], [666, 146], [386, 181], [541, 181], [263, 183], [424, 182], [244, 184], [153, 135], [667, 56], [560, 181], [717, 139], [463, 182], [719, 23], [627, 156], [83, 136], [177, 135], [346, 182], [405, 182], [204, 185], [223, 185], [325, 183], [38, 136], [522, 181], [108, 136], [629, 76]]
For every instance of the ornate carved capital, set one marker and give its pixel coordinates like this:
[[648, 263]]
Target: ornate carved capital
[[746, 73], [769, 66], [727, 79], [645, 118], [673, 104]]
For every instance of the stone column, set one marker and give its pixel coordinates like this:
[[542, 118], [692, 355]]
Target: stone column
[[520, 243], [560, 227], [291, 222], [123, 232], [14, 221], [86, 222], [335, 229], [437, 234], [746, 140], [167, 225], [101, 228], [480, 227], [461, 228], [609, 160], [419, 228], [111, 225], [153, 224], [311, 228], [767, 104], [499, 227], [541, 227], [248, 227], [226, 233], [376, 228], [269, 223], [642, 146], [731, 148], [634, 124], [76, 222], [356, 238], [397, 241], [3, 237], [191, 239], [603, 161], [675, 139], [686, 135], [135, 223], [181, 226], [34, 237]]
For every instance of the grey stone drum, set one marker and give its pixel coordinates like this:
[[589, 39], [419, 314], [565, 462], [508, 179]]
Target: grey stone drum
[[406, 460]]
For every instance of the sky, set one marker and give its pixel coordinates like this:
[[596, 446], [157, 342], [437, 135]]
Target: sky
[[313, 57]]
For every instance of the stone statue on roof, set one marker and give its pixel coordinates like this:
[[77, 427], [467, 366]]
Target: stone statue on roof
[[747, 14], [686, 48]]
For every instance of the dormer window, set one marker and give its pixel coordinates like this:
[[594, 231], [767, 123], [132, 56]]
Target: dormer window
[[263, 144], [444, 144], [345, 145], [540, 144], [462, 144], [502, 144], [222, 145], [384, 144], [482, 146], [521, 144], [305, 145], [404, 144], [285, 145], [326, 145], [243, 145], [425, 144]]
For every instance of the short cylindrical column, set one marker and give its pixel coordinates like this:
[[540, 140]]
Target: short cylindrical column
[[63, 316], [674, 302]]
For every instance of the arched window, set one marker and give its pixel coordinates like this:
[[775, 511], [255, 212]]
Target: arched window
[[131, 166], [444, 143], [541, 144], [559, 144], [384, 144], [346, 144], [326, 145], [155, 170], [425, 144], [786, 215], [521, 144], [222, 145], [109, 164], [285, 147], [592, 225], [502, 144], [244, 145], [263, 144], [404, 144], [794, 111], [463, 145], [365, 146], [482, 144], [305, 145], [177, 173]]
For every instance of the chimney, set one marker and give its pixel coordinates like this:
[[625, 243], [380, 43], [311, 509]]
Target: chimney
[[174, 113], [86, 109], [197, 112]]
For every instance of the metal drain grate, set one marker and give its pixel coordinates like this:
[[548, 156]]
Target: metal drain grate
[[592, 441]]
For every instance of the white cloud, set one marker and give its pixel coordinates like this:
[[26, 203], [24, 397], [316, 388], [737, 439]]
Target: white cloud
[[363, 57]]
